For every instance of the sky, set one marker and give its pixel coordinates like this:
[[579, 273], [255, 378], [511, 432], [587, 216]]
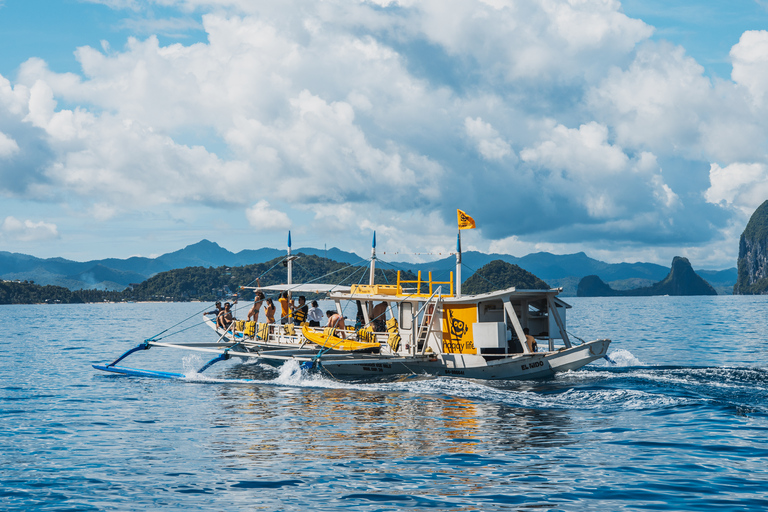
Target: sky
[[632, 131]]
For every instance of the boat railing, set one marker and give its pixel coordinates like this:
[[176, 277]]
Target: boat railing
[[416, 291]]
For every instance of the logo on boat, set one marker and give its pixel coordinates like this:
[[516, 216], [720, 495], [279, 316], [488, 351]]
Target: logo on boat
[[458, 327]]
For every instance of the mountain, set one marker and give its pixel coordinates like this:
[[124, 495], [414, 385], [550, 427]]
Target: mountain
[[559, 270], [681, 280], [753, 255], [564, 270], [117, 274], [498, 275]]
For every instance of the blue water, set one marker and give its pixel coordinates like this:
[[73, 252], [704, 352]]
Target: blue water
[[680, 423]]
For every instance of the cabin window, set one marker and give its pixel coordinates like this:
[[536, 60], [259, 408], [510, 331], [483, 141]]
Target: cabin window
[[406, 315]]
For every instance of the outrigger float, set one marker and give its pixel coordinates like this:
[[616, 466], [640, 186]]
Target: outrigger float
[[431, 328]]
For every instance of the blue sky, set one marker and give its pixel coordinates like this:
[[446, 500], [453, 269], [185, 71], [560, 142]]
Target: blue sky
[[632, 130]]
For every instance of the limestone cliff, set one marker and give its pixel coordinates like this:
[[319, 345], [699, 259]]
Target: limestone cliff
[[753, 255], [681, 280]]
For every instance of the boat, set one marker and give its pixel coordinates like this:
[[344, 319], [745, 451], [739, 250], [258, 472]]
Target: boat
[[431, 328]]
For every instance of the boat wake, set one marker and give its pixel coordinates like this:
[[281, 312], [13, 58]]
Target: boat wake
[[627, 385]]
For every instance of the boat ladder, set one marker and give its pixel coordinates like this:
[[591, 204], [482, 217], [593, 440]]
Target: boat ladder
[[430, 307]]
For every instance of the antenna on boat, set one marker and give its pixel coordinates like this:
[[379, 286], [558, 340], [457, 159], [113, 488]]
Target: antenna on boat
[[373, 260], [458, 264]]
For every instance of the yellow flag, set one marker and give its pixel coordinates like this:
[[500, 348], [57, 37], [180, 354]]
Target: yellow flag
[[465, 221]]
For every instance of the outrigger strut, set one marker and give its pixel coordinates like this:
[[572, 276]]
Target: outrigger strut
[[220, 357], [144, 346]]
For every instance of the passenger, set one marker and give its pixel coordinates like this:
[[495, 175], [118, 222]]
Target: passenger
[[269, 310], [227, 317], [220, 315], [215, 311], [300, 312], [285, 308], [315, 315], [379, 317], [360, 318], [254, 311], [530, 340], [337, 321]]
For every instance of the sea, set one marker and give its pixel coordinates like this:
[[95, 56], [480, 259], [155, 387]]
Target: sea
[[678, 420]]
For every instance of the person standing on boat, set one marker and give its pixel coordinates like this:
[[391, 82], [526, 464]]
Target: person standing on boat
[[336, 321], [300, 312], [315, 315], [530, 340], [285, 308], [269, 311], [379, 317], [254, 311]]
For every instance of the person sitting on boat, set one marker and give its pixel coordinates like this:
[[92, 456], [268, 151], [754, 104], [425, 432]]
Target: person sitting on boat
[[216, 311], [285, 308], [530, 340], [379, 317], [300, 312], [337, 321], [269, 310], [315, 315], [254, 311], [226, 317]]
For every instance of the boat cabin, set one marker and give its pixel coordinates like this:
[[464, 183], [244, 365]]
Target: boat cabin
[[421, 319]]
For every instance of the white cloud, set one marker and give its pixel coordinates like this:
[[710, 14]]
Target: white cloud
[[742, 185], [581, 164], [27, 231], [8, 146], [750, 64], [360, 111], [487, 139], [263, 217]]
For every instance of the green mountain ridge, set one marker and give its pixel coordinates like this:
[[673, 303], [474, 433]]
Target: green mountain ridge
[[116, 274], [681, 280]]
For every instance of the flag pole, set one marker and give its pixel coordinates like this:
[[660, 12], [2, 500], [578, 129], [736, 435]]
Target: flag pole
[[458, 264], [372, 275], [290, 262]]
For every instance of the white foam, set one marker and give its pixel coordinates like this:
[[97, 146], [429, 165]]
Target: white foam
[[623, 357]]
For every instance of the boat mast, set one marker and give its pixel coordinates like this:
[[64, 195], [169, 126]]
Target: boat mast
[[290, 262], [373, 261], [458, 265]]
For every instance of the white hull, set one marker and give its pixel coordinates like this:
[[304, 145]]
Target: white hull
[[516, 367]]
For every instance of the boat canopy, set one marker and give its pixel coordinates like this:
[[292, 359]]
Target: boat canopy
[[303, 288]]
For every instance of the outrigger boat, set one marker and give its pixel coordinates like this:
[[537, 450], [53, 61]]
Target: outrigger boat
[[431, 328]]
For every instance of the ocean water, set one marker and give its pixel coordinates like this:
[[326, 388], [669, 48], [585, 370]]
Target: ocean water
[[679, 422]]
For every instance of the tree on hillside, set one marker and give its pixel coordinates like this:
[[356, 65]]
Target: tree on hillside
[[498, 275]]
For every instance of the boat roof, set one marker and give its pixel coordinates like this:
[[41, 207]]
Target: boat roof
[[506, 294], [303, 287]]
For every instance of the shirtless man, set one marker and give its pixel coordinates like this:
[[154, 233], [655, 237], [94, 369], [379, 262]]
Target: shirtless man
[[378, 317], [337, 321], [226, 317]]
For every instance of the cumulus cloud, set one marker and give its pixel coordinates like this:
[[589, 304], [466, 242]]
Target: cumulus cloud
[[359, 111], [584, 164], [742, 185], [750, 64], [265, 218], [27, 230], [8, 146], [489, 144]]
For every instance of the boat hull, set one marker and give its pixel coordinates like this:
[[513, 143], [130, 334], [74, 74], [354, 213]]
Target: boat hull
[[518, 367]]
